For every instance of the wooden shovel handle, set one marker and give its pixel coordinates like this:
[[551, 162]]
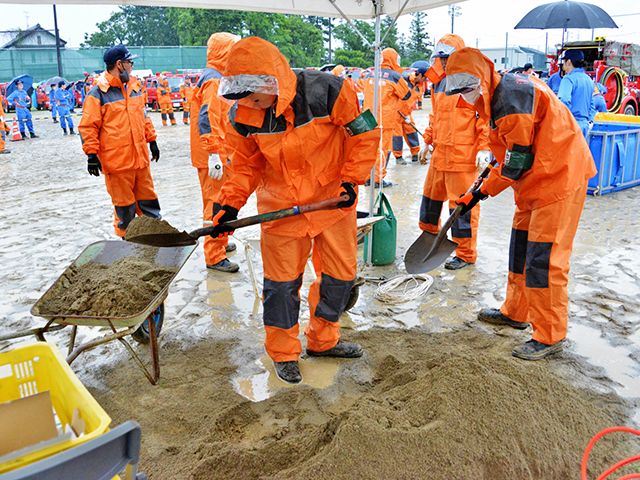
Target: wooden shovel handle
[[329, 204]]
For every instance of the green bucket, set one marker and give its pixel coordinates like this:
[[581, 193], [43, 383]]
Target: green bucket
[[384, 233]]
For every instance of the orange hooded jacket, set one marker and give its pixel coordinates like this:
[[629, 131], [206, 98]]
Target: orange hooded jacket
[[392, 90], [298, 151], [539, 146], [186, 92], [406, 107], [210, 112], [457, 134], [115, 125]]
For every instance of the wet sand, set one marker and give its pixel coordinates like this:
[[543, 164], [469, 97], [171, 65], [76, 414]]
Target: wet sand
[[437, 394]]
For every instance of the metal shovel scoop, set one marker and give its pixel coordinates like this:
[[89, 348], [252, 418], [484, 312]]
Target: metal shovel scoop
[[183, 238], [430, 251]]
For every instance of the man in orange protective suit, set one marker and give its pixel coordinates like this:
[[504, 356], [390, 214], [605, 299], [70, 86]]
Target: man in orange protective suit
[[392, 89], [459, 139], [544, 157], [164, 101], [186, 91], [408, 133], [3, 129], [207, 144], [297, 138], [115, 131]]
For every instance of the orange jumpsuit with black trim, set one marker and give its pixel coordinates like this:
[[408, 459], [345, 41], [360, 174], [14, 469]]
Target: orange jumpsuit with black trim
[[164, 101], [544, 157], [408, 133], [3, 128], [115, 126], [294, 153], [186, 91], [207, 136], [392, 90], [457, 135]]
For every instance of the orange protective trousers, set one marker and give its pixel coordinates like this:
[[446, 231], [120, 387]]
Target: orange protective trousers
[[410, 136], [440, 186], [214, 249], [541, 245], [132, 194], [335, 263]]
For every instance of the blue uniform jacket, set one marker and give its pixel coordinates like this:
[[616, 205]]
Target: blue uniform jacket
[[576, 92], [554, 82], [63, 98], [19, 98]]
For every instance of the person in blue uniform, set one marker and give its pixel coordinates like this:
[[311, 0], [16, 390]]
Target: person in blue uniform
[[554, 81], [22, 102], [64, 100], [599, 102], [52, 103], [576, 88]]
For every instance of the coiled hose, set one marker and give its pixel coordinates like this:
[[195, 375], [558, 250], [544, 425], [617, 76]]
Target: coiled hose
[[618, 77], [615, 467]]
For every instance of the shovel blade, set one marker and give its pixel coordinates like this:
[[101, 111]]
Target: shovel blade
[[181, 239], [420, 259]]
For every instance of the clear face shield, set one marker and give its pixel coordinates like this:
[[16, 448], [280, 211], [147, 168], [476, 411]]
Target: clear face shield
[[239, 87], [442, 50], [466, 85]]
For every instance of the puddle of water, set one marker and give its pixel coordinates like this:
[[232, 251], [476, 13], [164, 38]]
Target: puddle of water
[[316, 373]]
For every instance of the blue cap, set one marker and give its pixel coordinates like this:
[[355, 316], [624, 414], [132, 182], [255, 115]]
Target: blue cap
[[422, 70], [573, 55], [117, 52]]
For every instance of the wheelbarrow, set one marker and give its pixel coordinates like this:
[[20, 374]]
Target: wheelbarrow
[[144, 326]]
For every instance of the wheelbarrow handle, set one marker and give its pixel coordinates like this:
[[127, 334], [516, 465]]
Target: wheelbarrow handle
[[329, 204]]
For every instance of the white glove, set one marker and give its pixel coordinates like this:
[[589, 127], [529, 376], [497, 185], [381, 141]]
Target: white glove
[[483, 157], [407, 119], [1, 118], [215, 166]]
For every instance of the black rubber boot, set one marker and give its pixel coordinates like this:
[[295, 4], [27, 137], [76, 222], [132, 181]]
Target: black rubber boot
[[400, 161], [71, 132], [456, 263], [534, 350], [231, 247], [24, 135], [225, 266], [288, 371], [33, 135], [55, 120], [340, 350], [64, 131], [414, 158], [3, 152], [495, 317]]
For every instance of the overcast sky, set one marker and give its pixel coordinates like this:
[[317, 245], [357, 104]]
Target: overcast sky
[[484, 23]]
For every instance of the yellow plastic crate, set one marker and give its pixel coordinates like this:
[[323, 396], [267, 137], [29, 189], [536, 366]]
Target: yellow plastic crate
[[35, 368]]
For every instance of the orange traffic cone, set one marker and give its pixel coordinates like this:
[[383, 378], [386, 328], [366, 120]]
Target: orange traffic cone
[[15, 132]]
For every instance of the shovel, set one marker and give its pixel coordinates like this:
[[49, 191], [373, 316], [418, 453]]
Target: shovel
[[410, 123], [430, 251], [184, 238]]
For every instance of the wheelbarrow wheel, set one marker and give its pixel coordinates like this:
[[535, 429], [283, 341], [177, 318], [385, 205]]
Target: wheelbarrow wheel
[[354, 294], [141, 335]]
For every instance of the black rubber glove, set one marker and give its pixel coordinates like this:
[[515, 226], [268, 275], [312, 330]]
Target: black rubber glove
[[155, 151], [221, 215], [470, 200], [347, 188], [93, 164]]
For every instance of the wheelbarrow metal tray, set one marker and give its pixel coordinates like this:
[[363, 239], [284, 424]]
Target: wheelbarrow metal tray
[[107, 252]]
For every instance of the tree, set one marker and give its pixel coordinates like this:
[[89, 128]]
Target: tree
[[298, 40], [419, 41], [195, 25], [352, 42], [135, 25]]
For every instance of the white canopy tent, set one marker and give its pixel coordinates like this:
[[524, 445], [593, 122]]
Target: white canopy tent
[[347, 9]]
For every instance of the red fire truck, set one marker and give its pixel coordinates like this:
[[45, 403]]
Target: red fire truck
[[614, 64], [175, 81]]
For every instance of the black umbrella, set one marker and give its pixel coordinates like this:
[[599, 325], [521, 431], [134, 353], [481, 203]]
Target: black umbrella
[[567, 14]]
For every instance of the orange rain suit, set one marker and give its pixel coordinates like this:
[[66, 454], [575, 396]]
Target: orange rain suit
[[164, 101], [186, 92], [406, 108], [294, 153], [544, 157], [2, 126], [207, 135], [115, 126], [392, 89], [457, 134]]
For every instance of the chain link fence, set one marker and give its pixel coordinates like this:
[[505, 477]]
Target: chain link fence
[[42, 63]]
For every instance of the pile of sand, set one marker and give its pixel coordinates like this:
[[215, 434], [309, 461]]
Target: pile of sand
[[418, 405], [143, 225]]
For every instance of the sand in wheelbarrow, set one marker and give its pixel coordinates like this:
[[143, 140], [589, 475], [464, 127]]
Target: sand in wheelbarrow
[[144, 225], [122, 289]]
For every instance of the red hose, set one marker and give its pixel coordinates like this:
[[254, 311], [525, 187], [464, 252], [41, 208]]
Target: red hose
[[621, 463]]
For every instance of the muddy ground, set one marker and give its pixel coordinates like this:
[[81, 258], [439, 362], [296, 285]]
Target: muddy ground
[[437, 394]]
